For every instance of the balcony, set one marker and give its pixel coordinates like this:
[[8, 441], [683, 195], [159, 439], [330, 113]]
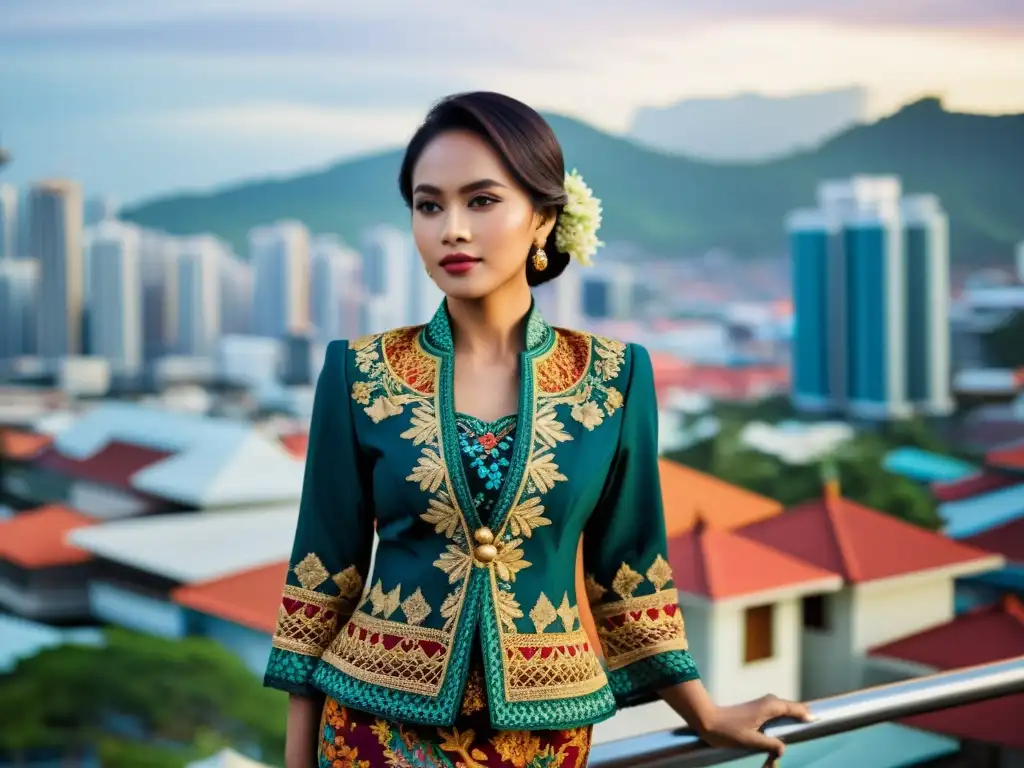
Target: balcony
[[681, 748]]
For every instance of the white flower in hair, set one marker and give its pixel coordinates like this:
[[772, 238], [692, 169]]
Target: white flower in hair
[[576, 232]]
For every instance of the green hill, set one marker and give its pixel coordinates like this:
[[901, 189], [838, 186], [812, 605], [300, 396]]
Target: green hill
[[671, 204]]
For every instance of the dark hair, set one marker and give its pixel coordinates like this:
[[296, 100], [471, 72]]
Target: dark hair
[[521, 138]]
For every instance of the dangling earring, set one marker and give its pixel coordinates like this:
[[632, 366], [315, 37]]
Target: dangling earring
[[540, 259], [427, 270]]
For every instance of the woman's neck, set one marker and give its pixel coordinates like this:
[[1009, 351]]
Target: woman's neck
[[490, 328]]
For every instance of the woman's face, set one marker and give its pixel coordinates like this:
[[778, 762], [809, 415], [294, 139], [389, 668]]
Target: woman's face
[[472, 223]]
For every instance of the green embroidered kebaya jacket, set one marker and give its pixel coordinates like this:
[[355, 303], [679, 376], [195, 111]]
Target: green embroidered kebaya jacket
[[383, 451]]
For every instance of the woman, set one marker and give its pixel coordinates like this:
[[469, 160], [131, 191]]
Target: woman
[[481, 448]]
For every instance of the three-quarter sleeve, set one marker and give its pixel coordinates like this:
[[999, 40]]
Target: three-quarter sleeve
[[628, 578], [333, 538]]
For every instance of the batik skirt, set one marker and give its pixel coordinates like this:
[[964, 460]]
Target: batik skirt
[[350, 738]]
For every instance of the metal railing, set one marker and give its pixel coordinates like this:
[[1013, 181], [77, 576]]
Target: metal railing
[[680, 748]]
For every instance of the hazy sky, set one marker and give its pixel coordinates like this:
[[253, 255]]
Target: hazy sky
[[136, 99]]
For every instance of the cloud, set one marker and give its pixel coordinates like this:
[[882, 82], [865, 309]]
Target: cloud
[[444, 27], [362, 127]]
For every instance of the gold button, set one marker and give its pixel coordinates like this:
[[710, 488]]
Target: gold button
[[486, 553], [483, 536]]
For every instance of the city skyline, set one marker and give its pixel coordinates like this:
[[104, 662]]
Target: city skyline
[[139, 102]]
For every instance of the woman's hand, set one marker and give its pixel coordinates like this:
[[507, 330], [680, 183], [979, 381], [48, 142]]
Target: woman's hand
[[740, 725]]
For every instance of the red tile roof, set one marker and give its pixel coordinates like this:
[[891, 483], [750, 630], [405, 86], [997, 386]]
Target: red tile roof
[[18, 445], [249, 598], [688, 494], [1006, 540], [720, 565], [296, 444], [113, 465], [987, 635], [1007, 457], [859, 543], [974, 485], [36, 539]]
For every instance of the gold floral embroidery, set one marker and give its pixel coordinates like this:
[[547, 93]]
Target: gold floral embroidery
[[349, 582], [543, 614], [391, 654], [335, 750], [566, 364], [429, 472], [361, 392], [568, 613], [443, 515], [385, 603], [310, 572], [398, 373], [475, 698], [520, 748], [612, 354], [594, 590], [510, 560], [416, 608], [508, 609], [640, 627], [527, 516], [626, 581], [306, 621], [450, 609], [550, 666], [589, 414], [462, 745], [660, 573], [456, 562]]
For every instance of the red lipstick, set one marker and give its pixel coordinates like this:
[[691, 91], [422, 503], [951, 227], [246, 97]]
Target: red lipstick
[[458, 263]]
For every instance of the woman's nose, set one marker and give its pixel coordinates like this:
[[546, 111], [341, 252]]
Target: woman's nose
[[456, 227]]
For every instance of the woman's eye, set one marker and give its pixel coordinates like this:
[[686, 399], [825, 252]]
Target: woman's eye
[[427, 206], [481, 200]]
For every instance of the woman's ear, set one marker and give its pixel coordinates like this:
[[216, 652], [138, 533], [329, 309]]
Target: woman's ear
[[544, 223]]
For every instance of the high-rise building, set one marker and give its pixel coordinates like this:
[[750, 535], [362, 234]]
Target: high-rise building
[[18, 291], [158, 263], [389, 260], [818, 337], [115, 297], [236, 295], [335, 290], [9, 243], [99, 209], [929, 336], [871, 296], [56, 241], [198, 312], [279, 254]]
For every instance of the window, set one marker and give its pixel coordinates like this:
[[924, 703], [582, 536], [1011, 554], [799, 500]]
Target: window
[[759, 626], [816, 612]]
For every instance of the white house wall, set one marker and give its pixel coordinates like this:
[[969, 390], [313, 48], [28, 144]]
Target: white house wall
[[826, 654], [897, 608], [733, 680]]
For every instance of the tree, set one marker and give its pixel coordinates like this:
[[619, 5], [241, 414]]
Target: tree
[[1004, 344], [178, 692], [859, 464]]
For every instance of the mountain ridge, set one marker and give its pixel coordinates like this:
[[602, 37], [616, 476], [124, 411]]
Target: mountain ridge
[[672, 204]]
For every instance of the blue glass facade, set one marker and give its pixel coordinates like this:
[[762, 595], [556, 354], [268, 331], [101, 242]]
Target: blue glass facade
[[867, 342], [595, 298], [810, 255]]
